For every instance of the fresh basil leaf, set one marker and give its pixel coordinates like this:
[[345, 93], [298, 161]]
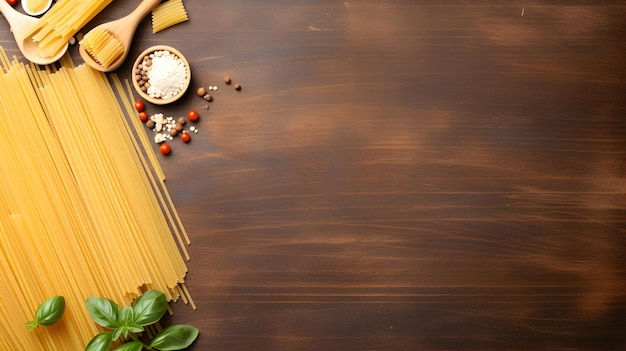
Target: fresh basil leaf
[[118, 332], [135, 328], [150, 307], [104, 311], [50, 311], [131, 346], [176, 337], [126, 316], [100, 342]]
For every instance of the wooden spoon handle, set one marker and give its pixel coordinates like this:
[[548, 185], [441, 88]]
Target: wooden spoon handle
[[142, 10], [20, 23]]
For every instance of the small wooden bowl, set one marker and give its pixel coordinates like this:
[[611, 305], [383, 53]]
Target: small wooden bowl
[[145, 96]]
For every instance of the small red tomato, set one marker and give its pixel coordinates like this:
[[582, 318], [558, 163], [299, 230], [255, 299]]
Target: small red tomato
[[143, 116], [12, 2], [185, 137], [165, 148], [192, 115], [139, 106]]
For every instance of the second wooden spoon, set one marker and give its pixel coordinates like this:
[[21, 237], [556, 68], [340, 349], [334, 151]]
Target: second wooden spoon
[[123, 31]]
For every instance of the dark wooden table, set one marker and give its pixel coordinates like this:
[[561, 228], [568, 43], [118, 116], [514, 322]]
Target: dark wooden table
[[401, 175]]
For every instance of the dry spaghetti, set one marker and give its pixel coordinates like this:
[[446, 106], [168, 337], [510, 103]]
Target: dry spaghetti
[[83, 207], [64, 19]]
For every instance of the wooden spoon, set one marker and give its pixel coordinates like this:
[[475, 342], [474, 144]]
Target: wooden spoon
[[20, 25], [123, 30]]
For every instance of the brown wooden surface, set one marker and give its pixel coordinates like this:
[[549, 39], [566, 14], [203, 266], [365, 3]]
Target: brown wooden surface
[[402, 175]]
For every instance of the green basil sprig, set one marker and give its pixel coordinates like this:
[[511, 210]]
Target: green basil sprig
[[48, 313], [127, 322]]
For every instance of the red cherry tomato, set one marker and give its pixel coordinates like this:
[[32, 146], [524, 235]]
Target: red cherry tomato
[[12, 2], [165, 148], [139, 106], [192, 115], [185, 137], [143, 116]]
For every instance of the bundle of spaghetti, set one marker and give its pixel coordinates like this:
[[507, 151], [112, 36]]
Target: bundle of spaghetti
[[82, 213], [102, 46], [168, 14], [64, 19]]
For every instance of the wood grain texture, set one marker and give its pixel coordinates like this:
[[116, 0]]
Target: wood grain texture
[[402, 175]]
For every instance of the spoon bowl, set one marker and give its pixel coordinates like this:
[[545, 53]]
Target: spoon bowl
[[122, 30], [20, 25]]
